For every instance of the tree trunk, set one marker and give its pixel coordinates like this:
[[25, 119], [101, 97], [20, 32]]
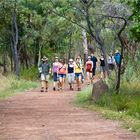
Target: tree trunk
[[85, 45], [37, 49], [122, 50], [4, 61], [119, 68], [98, 40], [105, 59], [15, 42], [70, 46], [11, 56], [39, 55]]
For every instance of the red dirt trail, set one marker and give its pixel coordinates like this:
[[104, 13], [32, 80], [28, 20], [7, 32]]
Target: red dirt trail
[[51, 116]]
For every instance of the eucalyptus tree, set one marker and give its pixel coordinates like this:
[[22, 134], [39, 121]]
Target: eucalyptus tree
[[97, 15], [9, 30]]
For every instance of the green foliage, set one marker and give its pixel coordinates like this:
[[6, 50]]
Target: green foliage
[[84, 97], [30, 74], [11, 86], [124, 106], [127, 101]]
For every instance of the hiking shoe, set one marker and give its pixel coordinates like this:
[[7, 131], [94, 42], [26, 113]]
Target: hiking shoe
[[54, 88], [72, 88], [41, 90], [79, 89]]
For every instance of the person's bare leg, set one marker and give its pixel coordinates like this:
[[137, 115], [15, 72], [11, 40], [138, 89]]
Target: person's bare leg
[[88, 78], [91, 79], [42, 86], [60, 82], [79, 83], [47, 86]]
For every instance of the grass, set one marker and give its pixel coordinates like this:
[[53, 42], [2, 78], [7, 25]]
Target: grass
[[11, 86], [124, 107], [30, 74]]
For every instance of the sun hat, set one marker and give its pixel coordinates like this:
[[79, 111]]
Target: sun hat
[[44, 58], [89, 57], [56, 57], [70, 60]]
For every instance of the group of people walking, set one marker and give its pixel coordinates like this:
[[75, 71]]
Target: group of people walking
[[73, 72]]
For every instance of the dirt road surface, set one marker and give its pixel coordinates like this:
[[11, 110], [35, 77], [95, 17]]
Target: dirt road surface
[[51, 116]]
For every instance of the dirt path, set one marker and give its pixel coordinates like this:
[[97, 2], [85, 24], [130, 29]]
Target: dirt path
[[51, 116]]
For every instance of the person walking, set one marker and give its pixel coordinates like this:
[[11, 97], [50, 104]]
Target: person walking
[[44, 70], [117, 58], [71, 74], [94, 60], [102, 67], [89, 67], [62, 70], [55, 72], [78, 73], [111, 61], [81, 63]]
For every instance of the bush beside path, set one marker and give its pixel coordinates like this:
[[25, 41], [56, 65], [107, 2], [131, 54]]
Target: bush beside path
[[51, 116]]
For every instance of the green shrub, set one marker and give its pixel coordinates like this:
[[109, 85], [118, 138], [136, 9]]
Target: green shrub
[[10, 85], [30, 74], [85, 97]]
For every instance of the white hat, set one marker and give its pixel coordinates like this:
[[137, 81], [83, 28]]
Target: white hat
[[70, 60], [56, 57], [89, 57]]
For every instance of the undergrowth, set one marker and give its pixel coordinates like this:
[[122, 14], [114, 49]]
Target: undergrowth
[[10, 86], [124, 106]]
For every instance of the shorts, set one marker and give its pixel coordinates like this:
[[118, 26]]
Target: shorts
[[102, 68], [55, 77], [77, 75], [62, 75], [44, 77], [71, 77]]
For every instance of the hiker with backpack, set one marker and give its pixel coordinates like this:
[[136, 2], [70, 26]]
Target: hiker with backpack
[[44, 70]]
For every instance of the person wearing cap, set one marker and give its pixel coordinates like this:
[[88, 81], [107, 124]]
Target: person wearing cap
[[55, 72], [89, 67], [78, 73], [71, 74], [62, 70], [44, 70]]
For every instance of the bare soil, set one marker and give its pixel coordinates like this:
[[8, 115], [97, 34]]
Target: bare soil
[[51, 116]]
